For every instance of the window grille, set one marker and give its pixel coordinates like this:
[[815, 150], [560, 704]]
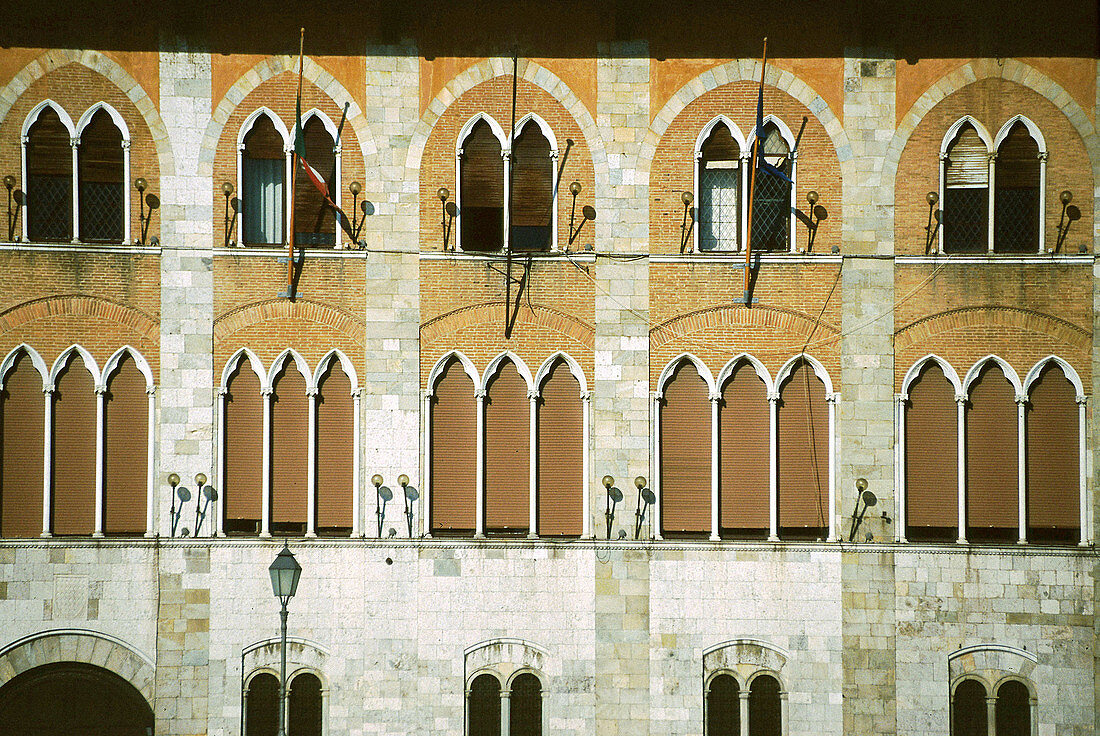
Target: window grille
[[771, 211], [101, 174], [1016, 200], [49, 179], [719, 191]]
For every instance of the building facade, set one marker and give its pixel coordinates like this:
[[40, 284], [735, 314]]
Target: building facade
[[655, 480]]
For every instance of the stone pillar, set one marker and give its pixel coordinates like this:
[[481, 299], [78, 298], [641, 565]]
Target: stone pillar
[[866, 409], [183, 642]]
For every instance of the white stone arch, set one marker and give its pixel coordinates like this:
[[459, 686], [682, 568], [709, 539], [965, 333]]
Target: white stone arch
[[1067, 370], [467, 366], [468, 126], [299, 363], [36, 361], [731, 365], [254, 363], [504, 656], [325, 121], [958, 125], [119, 122], [711, 675], [742, 142], [814, 363], [254, 673], [767, 673], [139, 360], [672, 365], [1025, 681], [255, 115], [574, 368], [547, 131], [32, 118], [979, 366], [301, 653], [498, 362], [485, 670], [1032, 129], [345, 364], [970, 676], [916, 368], [525, 670], [85, 356], [784, 131], [745, 650]]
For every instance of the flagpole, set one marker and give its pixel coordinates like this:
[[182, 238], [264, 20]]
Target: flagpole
[[294, 177], [752, 175]]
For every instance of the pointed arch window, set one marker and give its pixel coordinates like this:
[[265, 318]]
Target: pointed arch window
[[1018, 184], [263, 182], [532, 198], [126, 454], [289, 449], [22, 437], [335, 448], [507, 452], [453, 461], [102, 175], [1053, 458], [931, 457], [560, 478], [74, 449], [772, 203], [992, 451], [49, 176], [242, 450], [685, 453], [314, 220], [803, 455], [966, 192], [719, 197], [481, 190], [744, 452]]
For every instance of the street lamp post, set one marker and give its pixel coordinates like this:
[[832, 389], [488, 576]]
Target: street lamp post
[[285, 572]]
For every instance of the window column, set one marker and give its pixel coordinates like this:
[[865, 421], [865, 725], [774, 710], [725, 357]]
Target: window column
[[47, 458], [1021, 467], [479, 504], [75, 144], [991, 195], [100, 432], [586, 492], [425, 482], [265, 493], [743, 697], [126, 206], [831, 400], [714, 466], [655, 430], [311, 462], [1086, 506], [357, 458], [151, 480], [960, 401], [221, 474], [532, 506], [505, 712], [899, 469], [773, 472], [1042, 225], [991, 715]]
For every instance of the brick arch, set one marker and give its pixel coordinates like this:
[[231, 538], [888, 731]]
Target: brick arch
[[267, 69], [80, 645], [926, 328], [302, 309], [785, 321], [552, 319], [77, 305], [107, 67], [740, 71]]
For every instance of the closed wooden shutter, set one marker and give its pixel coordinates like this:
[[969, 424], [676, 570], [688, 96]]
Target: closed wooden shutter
[[289, 451], [484, 707], [100, 158], [243, 442], [507, 453], [765, 709], [1016, 206], [560, 455], [803, 456], [453, 452], [21, 441], [74, 438], [685, 454], [125, 489], [482, 182], [1053, 463], [992, 478], [532, 190], [931, 458], [335, 452], [49, 179], [723, 707], [744, 455], [314, 222], [1018, 159], [967, 160]]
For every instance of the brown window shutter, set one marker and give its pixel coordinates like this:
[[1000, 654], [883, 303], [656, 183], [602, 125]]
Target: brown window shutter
[[482, 183], [21, 440], [100, 159], [744, 455], [532, 190], [932, 458], [335, 452], [244, 417], [685, 454], [507, 453], [1053, 463], [1018, 159], [454, 452], [314, 221], [125, 477], [289, 450], [74, 437], [992, 480], [49, 179], [803, 455], [560, 455], [967, 160]]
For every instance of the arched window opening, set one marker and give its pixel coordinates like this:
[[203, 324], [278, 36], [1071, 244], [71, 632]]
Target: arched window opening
[[335, 452], [507, 453], [289, 451], [262, 706], [771, 206], [931, 458], [484, 706], [723, 707], [263, 168], [1013, 709], [481, 217], [126, 455], [685, 454], [314, 220], [22, 427], [966, 193], [1053, 463], [453, 452], [744, 456], [525, 714], [968, 710], [74, 449], [992, 450], [304, 706], [532, 190], [719, 207], [560, 454], [803, 456], [1016, 199], [49, 179], [243, 448], [102, 180], [765, 708]]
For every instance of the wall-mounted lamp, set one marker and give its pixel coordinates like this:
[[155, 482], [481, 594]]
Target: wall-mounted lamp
[[685, 226], [1070, 212], [449, 210], [206, 496], [357, 222], [383, 495], [614, 496], [145, 199], [815, 218], [932, 198], [227, 190], [587, 213], [9, 182], [411, 494], [645, 500], [184, 496], [869, 499]]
